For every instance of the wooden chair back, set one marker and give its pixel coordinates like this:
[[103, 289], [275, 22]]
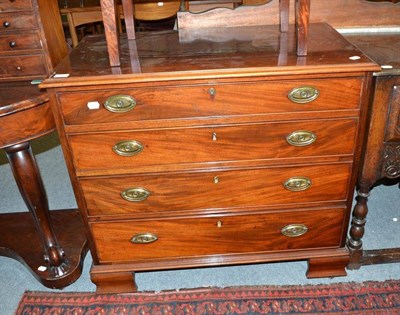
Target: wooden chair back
[[153, 11], [338, 13], [252, 16]]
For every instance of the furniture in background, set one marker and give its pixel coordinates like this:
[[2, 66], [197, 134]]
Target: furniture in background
[[381, 156], [31, 40], [369, 15], [376, 32], [77, 3], [196, 6], [109, 12], [148, 15], [31, 44], [157, 15], [213, 153], [51, 244], [78, 16], [151, 15]]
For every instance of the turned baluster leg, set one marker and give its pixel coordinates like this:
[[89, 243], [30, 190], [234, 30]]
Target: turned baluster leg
[[30, 185], [357, 229]]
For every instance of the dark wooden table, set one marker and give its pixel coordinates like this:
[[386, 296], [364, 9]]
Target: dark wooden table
[[51, 244], [381, 159]]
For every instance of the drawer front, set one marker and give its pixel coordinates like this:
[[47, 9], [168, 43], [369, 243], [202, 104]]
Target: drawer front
[[17, 5], [16, 22], [188, 237], [213, 144], [151, 194], [18, 42], [20, 66], [211, 100]]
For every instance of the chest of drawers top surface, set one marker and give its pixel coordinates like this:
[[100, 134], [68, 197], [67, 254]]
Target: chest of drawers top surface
[[260, 50]]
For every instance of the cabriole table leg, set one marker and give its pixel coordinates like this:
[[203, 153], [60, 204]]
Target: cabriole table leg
[[27, 176]]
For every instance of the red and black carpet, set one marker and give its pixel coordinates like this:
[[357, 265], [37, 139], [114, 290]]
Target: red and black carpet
[[345, 298]]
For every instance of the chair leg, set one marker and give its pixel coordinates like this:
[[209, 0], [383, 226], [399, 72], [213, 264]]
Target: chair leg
[[109, 14], [129, 18], [284, 15], [302, 23], [72, 30]]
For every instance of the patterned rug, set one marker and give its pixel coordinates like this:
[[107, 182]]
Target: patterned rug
[[345, 298]]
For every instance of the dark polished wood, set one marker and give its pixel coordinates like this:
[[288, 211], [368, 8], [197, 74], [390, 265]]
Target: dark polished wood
[[26, 174], [17, 228], [109, 9], [25, 115], [190, 60], [381, 157], [212, 178]]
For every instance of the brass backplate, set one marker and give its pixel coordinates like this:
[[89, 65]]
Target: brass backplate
[[301, 138], [294, 230], [298, 183], [120, 103], [135, 194], [144, 238], [128, 148], [303, 94]]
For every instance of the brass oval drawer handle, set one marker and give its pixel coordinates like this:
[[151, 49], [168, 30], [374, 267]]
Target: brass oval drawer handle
[[144, 238], [120, 103], [128, 148], [135, 194], [294, 230], [303, 94], [301, 138], [298, 183]]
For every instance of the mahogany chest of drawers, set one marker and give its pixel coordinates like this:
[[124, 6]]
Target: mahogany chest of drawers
[[213, 152], [31, 39]]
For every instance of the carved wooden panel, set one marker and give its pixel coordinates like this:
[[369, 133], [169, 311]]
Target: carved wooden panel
[[393, 124], [391, 160]]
